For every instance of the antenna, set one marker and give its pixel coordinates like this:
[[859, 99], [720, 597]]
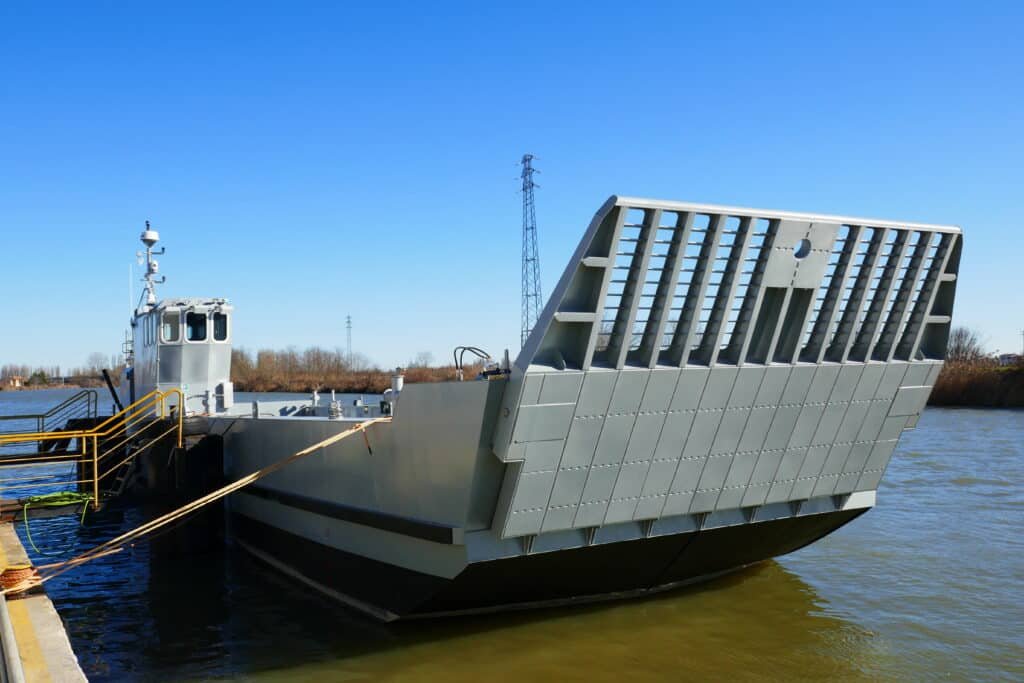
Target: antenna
[[150, 237], [348, 333], [531, 259]]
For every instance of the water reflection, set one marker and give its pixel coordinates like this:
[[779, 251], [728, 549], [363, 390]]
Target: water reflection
[[181, 613], [764, 620], [184, 607]]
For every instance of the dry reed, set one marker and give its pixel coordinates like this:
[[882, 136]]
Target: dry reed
[[323, 370], [979, 383]]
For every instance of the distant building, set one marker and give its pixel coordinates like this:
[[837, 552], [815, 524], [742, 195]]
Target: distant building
[[1010, 359], [14, 382]]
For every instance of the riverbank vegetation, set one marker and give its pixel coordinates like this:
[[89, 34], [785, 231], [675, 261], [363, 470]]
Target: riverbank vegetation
[[981, 384], [323, 370], [972, 377], [24, 377]]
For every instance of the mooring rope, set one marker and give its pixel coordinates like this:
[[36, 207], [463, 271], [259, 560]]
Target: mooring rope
[[117, 544]]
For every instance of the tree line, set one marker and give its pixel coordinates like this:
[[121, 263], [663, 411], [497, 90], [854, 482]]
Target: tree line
[[45, 375], [320, 369], [974, 377]]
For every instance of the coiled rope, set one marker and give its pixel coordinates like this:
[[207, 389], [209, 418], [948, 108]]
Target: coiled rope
[[117, 544]]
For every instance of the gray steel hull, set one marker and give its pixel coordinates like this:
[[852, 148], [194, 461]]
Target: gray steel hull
[[596, 572], [707, 387]]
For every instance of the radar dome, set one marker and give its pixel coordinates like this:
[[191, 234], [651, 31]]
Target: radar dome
[[149, 237]]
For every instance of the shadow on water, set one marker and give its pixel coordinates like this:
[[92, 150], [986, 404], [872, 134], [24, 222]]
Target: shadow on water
[[186, 607]]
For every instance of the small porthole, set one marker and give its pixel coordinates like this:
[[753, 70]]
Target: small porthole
[[802, 248]]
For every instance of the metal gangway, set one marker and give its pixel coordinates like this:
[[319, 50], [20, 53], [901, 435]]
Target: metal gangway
[[35, 464]]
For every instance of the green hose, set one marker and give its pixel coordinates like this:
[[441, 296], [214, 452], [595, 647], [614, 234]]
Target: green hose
[[49, 500]]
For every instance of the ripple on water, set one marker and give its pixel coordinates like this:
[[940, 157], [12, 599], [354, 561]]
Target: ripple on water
[[979, 484]]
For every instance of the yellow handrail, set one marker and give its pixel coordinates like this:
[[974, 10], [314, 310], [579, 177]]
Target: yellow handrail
[[153, 404], [155, 398], [150, 527]]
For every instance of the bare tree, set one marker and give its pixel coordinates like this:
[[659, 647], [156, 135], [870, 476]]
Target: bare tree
[[14, 370], [964, 345], [423, 359], [358, 362], [96, 362]]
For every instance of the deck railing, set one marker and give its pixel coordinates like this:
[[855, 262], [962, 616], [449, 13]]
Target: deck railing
[[97, 453], [83, 404]]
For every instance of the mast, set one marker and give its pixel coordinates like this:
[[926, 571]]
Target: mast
[[149, 238]]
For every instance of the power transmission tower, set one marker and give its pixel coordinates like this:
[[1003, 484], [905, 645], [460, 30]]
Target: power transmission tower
[[348, 334], [531, 260]]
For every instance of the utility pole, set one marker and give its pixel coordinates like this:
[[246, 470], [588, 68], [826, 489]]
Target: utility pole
[[348, 335], [531, 259]]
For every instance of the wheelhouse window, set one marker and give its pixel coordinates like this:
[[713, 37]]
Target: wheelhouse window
[[220, 326], [195, 327], [171, 328]]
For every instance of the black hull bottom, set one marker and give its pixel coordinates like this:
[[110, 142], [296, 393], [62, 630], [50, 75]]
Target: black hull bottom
[[594, 572]]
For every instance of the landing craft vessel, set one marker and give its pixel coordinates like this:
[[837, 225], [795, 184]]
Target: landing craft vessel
[[707, 387]]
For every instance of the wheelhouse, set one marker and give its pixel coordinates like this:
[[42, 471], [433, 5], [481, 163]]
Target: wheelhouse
[[185, 344]]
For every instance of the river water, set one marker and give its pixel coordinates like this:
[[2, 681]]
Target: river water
[[928, 585]]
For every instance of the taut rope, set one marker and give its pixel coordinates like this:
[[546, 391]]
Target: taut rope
[[117, 544]]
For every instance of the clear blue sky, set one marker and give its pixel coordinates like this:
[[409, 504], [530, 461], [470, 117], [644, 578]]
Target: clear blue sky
[[310, 161]]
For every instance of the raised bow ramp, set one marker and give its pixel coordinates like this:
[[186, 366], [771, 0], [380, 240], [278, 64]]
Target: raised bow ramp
[[706, 365]]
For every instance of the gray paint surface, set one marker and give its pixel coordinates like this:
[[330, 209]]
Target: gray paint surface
[[696, 366], [432, 463], [710, 352], [200, 369]]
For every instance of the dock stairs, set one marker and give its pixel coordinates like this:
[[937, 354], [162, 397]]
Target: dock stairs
[[123, 475], [71, 448]]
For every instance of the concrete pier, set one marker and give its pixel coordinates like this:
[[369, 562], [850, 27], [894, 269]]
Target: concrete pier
[[34, 645]]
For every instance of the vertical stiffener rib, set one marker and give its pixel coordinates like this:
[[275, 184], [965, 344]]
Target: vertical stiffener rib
[[697, 359]]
